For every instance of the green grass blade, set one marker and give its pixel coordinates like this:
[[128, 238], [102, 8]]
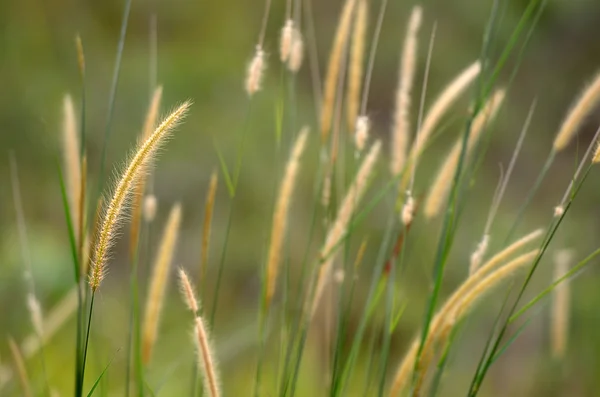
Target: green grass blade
[[97, 382]]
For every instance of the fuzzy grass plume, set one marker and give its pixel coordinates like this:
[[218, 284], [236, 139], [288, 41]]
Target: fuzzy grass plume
[[206, 359], [333, 68], [137, 205], [356, 66], [401, 126], [455, 308], [338, 229], [437, 111], [158, 282], [280, 216], [581, 109], [443, 181], [114, 214]]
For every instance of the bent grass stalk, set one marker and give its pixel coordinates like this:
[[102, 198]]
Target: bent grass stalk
[[355, 68]]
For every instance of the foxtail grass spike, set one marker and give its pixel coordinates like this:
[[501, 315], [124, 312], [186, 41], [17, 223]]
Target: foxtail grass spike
[[401, 126], [586, 102], [333, 68], [561, 297], [339, 227], [356, 63], [207, 360], [255, 72], [280, 216], [187, 292], [437, 111], [443, 181], [158, 283], [114, 215]]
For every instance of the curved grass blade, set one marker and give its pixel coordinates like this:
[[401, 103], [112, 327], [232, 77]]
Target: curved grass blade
[[97, 382]]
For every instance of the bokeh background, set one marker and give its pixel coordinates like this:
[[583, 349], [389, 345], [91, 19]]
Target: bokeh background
[[203, 47]]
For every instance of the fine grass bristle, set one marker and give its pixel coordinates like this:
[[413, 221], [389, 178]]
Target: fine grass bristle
[[20, 368], [437, 111], [209, 206], [187, 291], [158, 282], [333, 68], [561, 297], [280, 215], [356, 64], [586, 102], [443, 181], [459, 303], [72, 163], [338, 229], [136, 207], [206, 360], [138, 165], [401, 126]]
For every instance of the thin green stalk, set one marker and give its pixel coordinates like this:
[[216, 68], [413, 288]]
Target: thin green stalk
[[113, 91], [79, 392], [478, 379]]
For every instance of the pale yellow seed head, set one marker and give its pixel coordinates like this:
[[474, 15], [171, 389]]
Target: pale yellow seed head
[[187, 291], [256, 70], [361, 135], [333, 68], [561, 298], [150, 207], [138, 165], [441, 187], [408, 209], [72, 163], [356, 63], [586, 102], [285, 40], [479, 253], [297, 52], [158, 283], [206, 360], [35, 312], [339, 227], [596, 157], [401, 127], [281, 213]]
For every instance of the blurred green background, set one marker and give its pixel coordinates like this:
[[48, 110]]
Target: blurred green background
[[203, 48]]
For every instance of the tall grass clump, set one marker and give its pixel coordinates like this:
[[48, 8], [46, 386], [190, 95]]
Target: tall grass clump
[[306, 275]]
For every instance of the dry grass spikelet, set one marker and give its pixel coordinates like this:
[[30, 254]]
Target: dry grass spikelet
[[209, 207], [206, 360], [297, 52], [401, 126], [455, 307], [338, 229], [72, 161], [136, 207], [150, 207], [559, 329], [363, 124], [187, 291], [158, 282], [441, 186], [280, 216], [586, 102], [596, 156], [437, 111], [356, 65], [333, 68], [285, 40], [256, 70], [80, 55], [138, 165], [479, 253], [408, 209]]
